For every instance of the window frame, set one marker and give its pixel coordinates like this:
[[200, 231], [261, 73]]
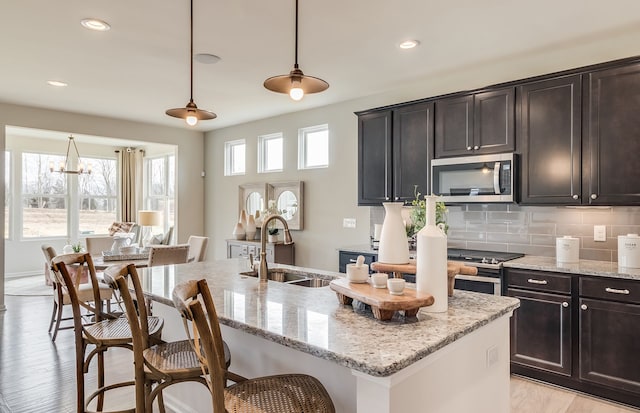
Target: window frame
[[166, 199], [229, 158], [263, 152], [302, 145], [110, 199]]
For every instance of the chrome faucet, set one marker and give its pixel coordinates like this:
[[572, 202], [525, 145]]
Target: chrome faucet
[[263, 270]]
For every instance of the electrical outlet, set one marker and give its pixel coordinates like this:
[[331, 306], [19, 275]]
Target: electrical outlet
[[348, 223], [492, 356], [599, 233]]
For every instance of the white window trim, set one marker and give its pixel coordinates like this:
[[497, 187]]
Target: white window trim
[[302, 141], [228, 157], [165, 198], [262, 140]]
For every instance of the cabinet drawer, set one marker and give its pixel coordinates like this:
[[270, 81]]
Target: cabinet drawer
[[613, 289], [539, 281]]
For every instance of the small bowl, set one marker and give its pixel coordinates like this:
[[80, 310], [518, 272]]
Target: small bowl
[[379, 280], [395, 286]]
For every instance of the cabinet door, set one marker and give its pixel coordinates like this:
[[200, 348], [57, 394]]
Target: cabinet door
[[349, 257], [454, 126], [549, 131], [493, 121], [541, 331], [612, 136], [235, 250], [374, 158], [412, 150], [609, 344]]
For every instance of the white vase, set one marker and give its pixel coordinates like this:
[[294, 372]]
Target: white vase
[[393, 247], [272, 238], [250, 228], [238, 231], [431, 265]]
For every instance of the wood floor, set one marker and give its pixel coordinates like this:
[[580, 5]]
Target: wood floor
[[37, 375]]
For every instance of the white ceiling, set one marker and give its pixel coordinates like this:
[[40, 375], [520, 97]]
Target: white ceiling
[[140, 67]]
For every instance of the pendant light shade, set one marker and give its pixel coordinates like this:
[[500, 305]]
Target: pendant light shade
[[296, 83], [190, 113]]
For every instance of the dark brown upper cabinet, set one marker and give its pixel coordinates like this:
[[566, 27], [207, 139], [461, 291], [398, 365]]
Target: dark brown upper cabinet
[[611, 136], [475, 124], [548, 125], [395, 148]]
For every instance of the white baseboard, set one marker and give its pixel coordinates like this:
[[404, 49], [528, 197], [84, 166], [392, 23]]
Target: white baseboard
[[10, 275]]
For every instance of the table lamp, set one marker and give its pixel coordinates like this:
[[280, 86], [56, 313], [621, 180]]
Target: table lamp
[[147, 220]]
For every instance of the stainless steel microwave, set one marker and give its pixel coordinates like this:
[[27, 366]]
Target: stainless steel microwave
[[482, 178]]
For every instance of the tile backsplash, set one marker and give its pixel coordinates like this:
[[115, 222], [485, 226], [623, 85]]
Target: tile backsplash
[[533, 230]]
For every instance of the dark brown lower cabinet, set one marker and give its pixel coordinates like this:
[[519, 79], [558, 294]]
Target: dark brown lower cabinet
[[541, 331], [610, 343], [577, 331]]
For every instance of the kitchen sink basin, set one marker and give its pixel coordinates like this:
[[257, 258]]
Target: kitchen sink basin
[[302, 280]]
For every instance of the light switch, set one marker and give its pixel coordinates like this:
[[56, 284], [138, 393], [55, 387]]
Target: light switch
[[599, 233], [349, 223]]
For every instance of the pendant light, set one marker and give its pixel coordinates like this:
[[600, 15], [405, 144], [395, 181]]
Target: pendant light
[[190, 113], [296, 83], [63, 167]]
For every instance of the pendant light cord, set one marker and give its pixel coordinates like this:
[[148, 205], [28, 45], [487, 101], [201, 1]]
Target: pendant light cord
[[296, 56], [191, 53]]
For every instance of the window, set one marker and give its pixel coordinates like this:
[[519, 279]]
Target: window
[[44, 197], [270, 154], [161, 187], [7, 192], [234, 157], [97, 196], [313, 147]]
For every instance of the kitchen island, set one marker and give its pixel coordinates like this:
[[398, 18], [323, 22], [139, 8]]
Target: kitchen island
[[455, 361]]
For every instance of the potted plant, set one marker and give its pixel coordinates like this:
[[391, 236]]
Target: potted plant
[[418, 214], [273, 234]]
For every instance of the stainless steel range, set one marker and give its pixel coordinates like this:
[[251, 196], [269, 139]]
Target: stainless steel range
[[489, 263]]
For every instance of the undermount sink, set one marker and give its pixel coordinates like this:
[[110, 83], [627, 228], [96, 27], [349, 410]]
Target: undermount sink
[[290, 278]]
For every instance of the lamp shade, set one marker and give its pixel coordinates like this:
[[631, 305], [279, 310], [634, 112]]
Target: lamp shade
[[149, 218]]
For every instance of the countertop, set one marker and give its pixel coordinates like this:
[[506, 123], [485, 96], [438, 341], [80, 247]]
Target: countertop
[[311, 319], [585, 267]]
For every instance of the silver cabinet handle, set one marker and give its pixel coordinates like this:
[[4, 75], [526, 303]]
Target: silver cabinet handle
[[594, 196], [616, 291], [565, 304], [475, 148], [468, 148], [386, 198], [541, 282], [352, 260], [575, 196], [583, 306], [397, 198]]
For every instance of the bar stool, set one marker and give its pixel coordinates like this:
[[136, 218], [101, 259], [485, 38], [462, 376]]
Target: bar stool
[[287, 393], [162, 364], [105, 331]]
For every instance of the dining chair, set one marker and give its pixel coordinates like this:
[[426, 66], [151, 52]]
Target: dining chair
[[96, 245], [168, 254], [61, 296], [92, 339], [162, 364], [197, 248], [271, 394]]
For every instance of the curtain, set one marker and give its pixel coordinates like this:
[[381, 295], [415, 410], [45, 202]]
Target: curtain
[[130, 163]]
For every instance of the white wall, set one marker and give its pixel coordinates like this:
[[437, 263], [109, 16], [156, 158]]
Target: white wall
[[189, 163], [329, 194]]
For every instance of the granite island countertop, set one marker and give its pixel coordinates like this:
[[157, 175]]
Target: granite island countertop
[[312, 321], [584, 267]]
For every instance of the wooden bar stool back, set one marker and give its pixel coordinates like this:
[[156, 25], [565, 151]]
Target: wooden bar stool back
[[156, 366], [103, 332], [287, 393]]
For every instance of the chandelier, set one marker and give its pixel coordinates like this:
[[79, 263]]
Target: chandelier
[[63, 167]]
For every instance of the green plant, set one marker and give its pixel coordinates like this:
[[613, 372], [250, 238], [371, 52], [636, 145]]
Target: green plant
[[419, 213], [273, 231], [77, 247]]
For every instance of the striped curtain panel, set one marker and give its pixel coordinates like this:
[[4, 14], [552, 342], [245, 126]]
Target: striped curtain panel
[[130, 163]]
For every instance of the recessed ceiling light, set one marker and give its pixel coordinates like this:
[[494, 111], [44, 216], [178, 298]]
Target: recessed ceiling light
[[56, 83], [206, 58], [95, 24], [409, 44]]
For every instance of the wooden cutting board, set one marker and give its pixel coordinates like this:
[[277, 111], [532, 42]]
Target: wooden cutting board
[[383, 304]]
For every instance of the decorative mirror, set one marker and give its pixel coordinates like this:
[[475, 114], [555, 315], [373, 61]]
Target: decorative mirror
[[253, 197], [255, 202], [289, 197]]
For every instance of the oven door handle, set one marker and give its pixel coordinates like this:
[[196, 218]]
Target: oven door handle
[[496, 179], [493, 280]]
